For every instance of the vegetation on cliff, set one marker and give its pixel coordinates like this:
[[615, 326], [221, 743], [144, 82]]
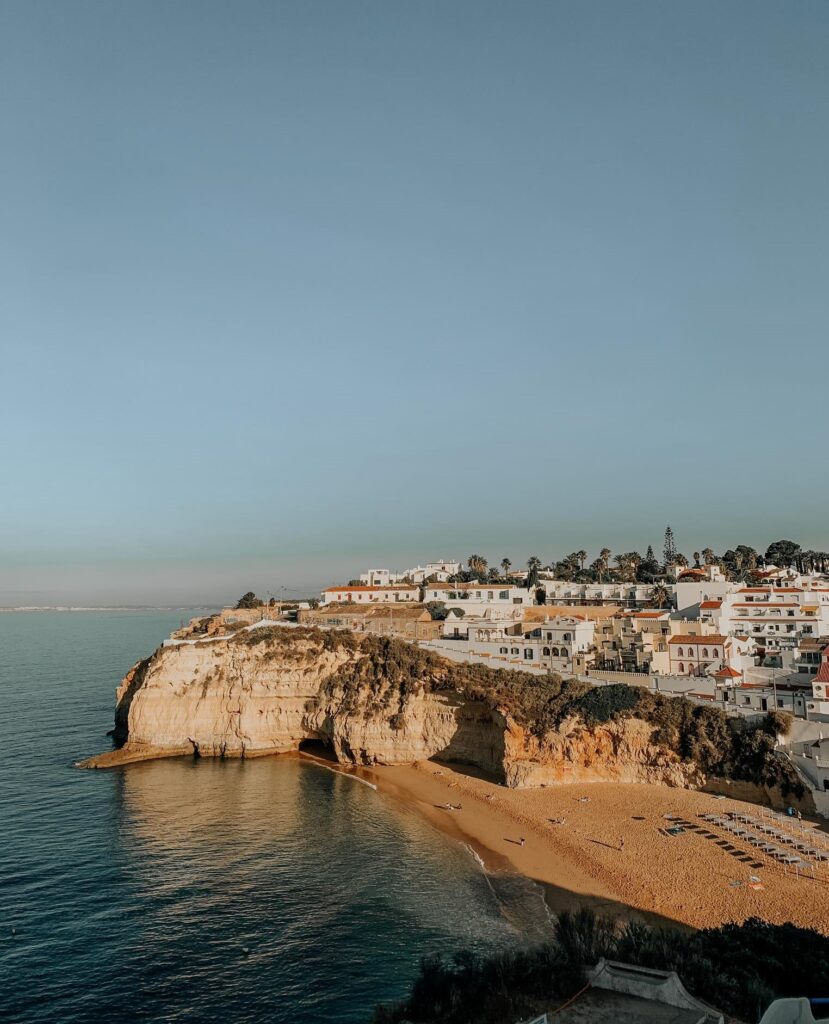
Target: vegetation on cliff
[[739, 969], [382, 674]]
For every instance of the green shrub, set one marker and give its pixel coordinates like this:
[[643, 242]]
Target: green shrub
[[738, 968]]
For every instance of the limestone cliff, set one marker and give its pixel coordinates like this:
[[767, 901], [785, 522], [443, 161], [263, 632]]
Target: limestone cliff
[[371, 701]]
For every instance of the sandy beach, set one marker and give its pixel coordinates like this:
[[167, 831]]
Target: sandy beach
[[605, 845]]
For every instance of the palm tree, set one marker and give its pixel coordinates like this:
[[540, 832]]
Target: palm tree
[[708, 555], [506, 565], [696, 559], [533, 565], [604, 558], [477, 565], [581, 555], [660, 596]]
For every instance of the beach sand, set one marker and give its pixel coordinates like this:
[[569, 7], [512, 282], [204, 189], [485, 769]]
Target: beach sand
[[611, 852]]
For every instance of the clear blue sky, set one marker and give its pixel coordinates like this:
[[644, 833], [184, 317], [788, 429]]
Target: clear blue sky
[[293, 289]]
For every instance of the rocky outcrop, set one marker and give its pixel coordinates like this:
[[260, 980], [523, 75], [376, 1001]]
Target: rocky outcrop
[[620, 751], [270, 690]]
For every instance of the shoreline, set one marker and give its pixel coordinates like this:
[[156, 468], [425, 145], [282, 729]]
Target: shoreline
[[601, 845], [612, 852]]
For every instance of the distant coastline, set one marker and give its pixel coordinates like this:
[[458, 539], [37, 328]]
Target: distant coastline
[[111, 608]]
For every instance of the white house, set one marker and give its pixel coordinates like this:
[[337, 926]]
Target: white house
[[629, 595], [554, 645], [699, 655], [368, 595], [417, 574], [477, 598], [776, 617]]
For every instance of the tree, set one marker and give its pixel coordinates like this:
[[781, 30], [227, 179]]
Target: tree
[[708, 556], [314, 603], [669, 551], [582, 557], [533, 565], [696, 560], [782, 553], [437, 609], [649, 568], [477, 565], [604, 558], [567, 568], [506, 565], [494, 575], [660, 596], [249, 600]]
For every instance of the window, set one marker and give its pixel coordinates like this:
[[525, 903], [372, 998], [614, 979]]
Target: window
[[503, 595], [705, 652], [679, 653], [546, 652], [715, 653], [681, 667], [502, 650], [528, 654], [513, 650]]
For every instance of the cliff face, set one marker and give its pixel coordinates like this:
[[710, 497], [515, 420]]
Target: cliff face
[[268, 693]]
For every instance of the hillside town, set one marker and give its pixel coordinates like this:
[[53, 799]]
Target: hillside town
[[747, 630]]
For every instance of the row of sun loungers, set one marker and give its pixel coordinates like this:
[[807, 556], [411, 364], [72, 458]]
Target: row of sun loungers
[[761, 842]]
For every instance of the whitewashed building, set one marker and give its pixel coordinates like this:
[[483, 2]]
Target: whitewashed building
[[776, 618], [417, 574], [478, 598], [369, 595]]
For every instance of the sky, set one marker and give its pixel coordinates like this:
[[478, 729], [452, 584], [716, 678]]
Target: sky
[[288, 290]]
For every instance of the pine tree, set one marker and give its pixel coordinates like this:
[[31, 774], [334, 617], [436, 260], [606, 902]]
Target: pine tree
[[669, 551]]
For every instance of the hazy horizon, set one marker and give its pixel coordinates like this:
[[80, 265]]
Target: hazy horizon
[[295, 290]]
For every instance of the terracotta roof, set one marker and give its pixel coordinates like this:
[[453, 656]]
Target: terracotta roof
[[692, 572], [822, 675], [727, 672], [686, 638], [711, 604], [650, 613]]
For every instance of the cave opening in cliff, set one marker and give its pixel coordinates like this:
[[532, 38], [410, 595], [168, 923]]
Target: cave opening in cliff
[[317, 748]]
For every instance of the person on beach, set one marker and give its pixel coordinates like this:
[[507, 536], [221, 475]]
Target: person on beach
[[522, 840], [621, 842]]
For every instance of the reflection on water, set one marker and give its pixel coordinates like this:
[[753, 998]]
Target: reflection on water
[[261, 890]]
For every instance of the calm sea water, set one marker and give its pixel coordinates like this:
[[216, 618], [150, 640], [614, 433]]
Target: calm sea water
[[268, 890]]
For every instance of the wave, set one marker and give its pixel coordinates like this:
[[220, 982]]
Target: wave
[[338, 771]]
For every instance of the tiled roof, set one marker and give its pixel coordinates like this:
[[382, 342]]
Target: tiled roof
[[686, 638], [711, 604], [727, 672]]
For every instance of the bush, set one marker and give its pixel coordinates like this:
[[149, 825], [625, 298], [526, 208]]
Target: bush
[[738, 968], [249, 600]]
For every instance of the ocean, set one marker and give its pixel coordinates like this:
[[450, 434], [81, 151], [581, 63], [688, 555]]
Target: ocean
[[266, 890]]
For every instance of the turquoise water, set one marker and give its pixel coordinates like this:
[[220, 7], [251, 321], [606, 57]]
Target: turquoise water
[[267, 890]]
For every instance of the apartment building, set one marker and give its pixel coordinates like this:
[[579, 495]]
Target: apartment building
[[628, 595], [776, 617]]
